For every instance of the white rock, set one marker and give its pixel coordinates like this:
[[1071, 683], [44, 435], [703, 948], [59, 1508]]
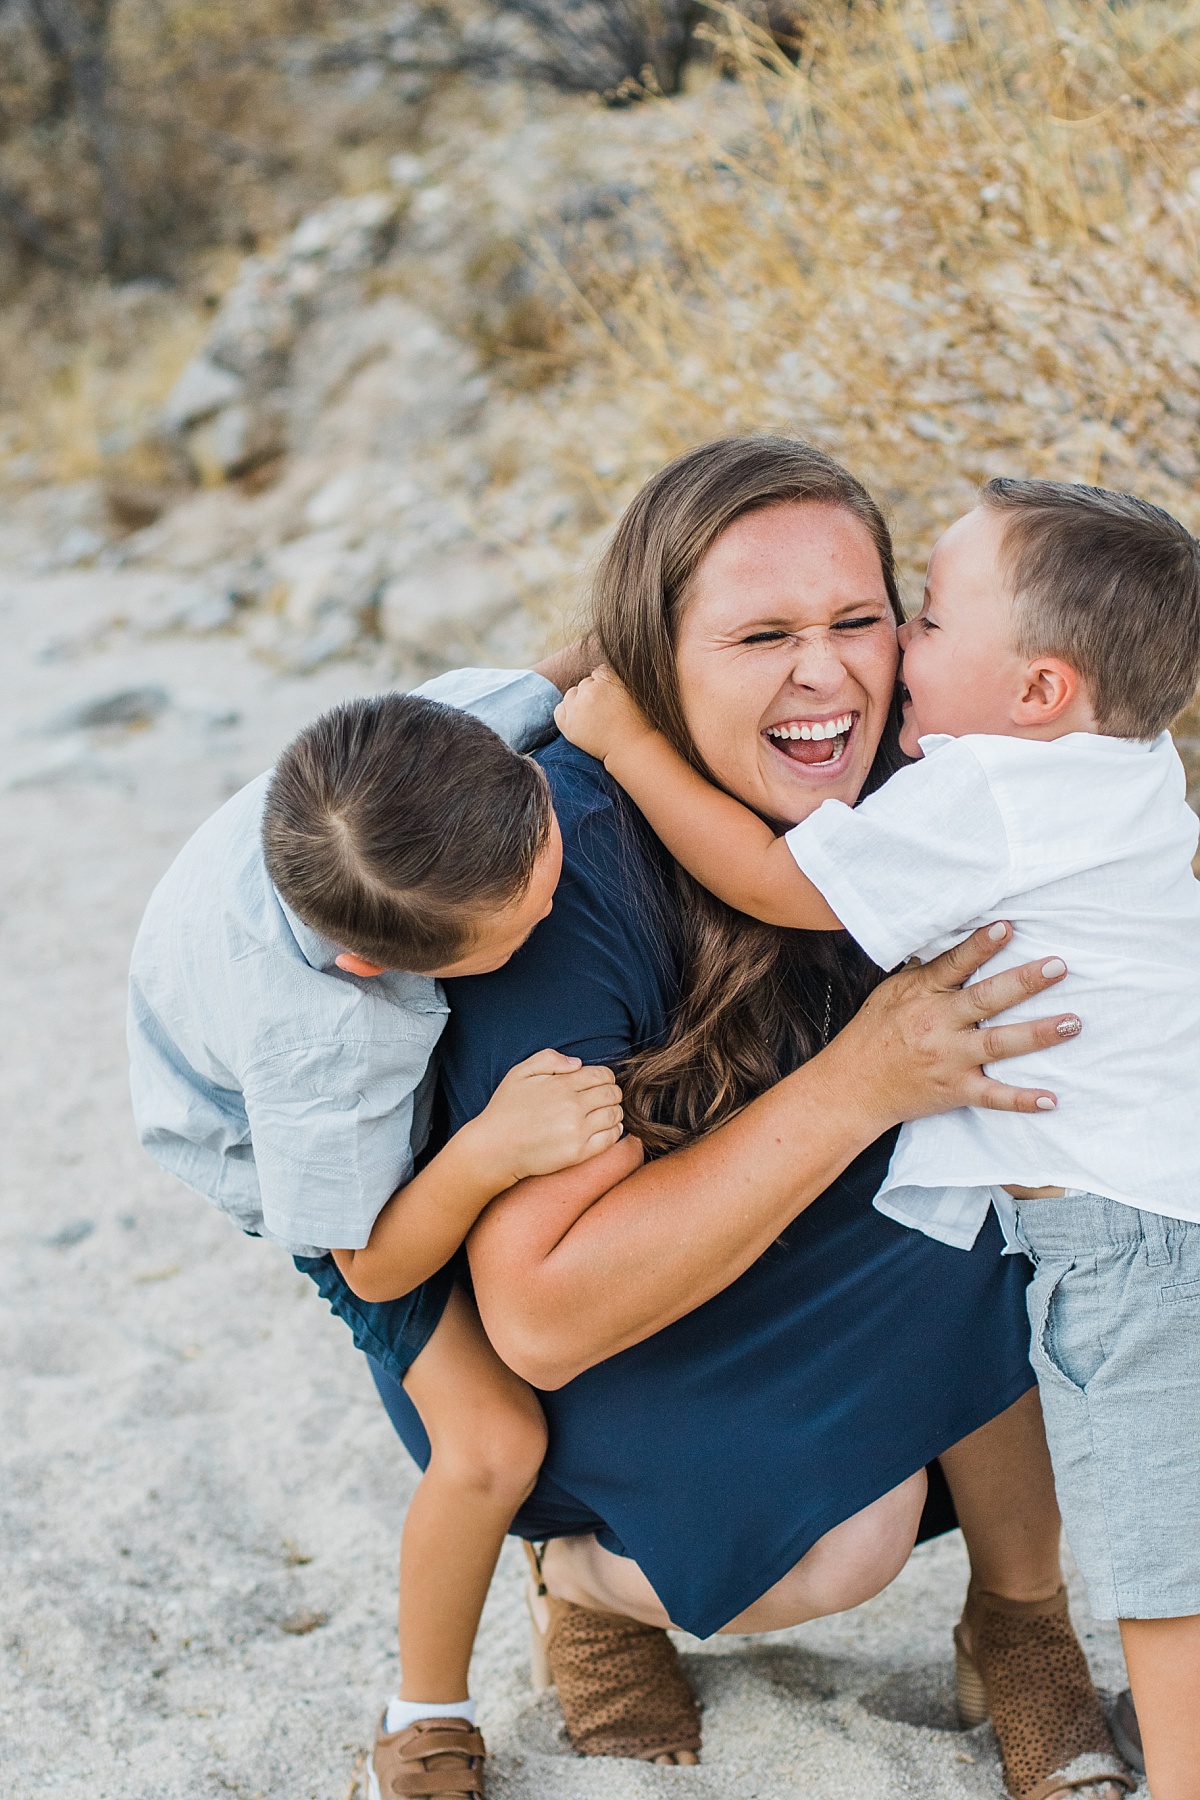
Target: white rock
[[347, 232], [335, 499], [405, 171], [323, 575], [238, 438], [447, 607], [203, 389]]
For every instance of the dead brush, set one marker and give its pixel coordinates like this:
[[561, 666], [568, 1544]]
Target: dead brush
[[946, 242]]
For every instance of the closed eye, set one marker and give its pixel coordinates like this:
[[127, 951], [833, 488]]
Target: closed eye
[[859, 624], [775, 637]]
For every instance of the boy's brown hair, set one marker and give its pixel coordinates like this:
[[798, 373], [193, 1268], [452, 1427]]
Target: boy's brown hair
[[1112, 585], [392, 824]]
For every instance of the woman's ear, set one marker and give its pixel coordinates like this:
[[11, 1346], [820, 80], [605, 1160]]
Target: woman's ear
[[1051, 691]]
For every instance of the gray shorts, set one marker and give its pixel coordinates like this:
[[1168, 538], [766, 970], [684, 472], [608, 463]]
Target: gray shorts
[[1114, 1307]]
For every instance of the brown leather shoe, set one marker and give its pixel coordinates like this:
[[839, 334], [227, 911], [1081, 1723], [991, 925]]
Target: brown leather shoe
[[429, 1758], [1026, 1669]]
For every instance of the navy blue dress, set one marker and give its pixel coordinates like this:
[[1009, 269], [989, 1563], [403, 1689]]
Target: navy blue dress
[[849, 1355]]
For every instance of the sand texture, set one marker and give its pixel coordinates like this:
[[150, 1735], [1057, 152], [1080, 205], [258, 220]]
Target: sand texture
[[200, 1498]]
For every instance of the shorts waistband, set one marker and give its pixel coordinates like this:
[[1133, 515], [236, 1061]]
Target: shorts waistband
[[1081, 1221]]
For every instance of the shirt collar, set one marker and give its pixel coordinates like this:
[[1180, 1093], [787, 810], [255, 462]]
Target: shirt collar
[[317, 951]]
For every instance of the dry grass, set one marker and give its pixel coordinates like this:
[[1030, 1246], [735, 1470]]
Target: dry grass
[[946, 244], [83, 374]]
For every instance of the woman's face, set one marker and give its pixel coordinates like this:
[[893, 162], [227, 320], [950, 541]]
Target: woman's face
[[787, 658]]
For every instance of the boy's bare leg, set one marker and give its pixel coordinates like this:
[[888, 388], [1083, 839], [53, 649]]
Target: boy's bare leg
[[1163, 1659], [1003, 1489], [487, 1438]]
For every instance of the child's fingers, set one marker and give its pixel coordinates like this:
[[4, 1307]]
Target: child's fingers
[[593, 1098], [600, 1118], [601, 1141], [590, 1076], [549, 1062]]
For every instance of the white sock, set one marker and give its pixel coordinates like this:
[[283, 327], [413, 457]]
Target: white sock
[[402, 1713]]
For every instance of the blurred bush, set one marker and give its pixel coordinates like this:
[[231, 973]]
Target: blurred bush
[[943, 240], [131, 130]]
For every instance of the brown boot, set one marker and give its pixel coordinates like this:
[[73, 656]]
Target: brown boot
[[1026, 1671], [620, 1684]]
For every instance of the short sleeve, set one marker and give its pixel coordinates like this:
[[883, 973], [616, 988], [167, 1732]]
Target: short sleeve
[[595, 979], [331, 1125], [517, 704], [914, 862]]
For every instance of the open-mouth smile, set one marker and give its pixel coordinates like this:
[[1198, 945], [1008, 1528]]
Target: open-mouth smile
[[822, 744]]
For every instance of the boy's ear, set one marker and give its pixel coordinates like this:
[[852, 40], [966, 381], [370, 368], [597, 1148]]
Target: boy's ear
[[357, 965], [1050, 689]]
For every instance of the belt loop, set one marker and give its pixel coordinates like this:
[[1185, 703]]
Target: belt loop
[[1154, 1235]]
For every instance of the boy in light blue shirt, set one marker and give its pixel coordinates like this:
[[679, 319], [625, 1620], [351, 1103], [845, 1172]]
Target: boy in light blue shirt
[[284, 1011]]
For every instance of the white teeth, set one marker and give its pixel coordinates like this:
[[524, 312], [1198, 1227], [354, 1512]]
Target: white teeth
[[818, 730]]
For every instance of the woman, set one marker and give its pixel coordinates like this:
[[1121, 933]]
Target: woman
[[746, 1369]]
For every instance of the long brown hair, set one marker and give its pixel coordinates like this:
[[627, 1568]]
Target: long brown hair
[[756, 1000]]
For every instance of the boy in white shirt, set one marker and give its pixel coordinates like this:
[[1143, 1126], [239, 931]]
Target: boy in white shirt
[[284, 1014], [1059, 636]]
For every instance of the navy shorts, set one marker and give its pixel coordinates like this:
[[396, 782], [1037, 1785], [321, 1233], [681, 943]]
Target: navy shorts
[[391, 1332]]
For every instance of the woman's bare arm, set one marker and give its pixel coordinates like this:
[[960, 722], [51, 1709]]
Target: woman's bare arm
[[567, 1273]]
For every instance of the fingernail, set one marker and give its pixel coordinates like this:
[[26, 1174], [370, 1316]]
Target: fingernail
[[1045, 1103], [1054, 968], [1069, 1028], [997, 932]]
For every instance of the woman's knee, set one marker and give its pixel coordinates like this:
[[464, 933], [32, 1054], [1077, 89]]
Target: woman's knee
[[879, 1540], [850, 1564], [582, 1571]]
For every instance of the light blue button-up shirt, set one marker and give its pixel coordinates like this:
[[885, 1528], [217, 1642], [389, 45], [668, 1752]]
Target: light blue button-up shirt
[[289, 1093]]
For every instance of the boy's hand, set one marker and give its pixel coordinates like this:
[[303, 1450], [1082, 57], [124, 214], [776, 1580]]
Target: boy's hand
[[600, 717], [549, 1113]]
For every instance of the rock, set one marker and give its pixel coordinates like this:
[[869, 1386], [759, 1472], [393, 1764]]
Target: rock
[[66, 762], [130, 707], [347, 235], [229, 411], [322, 574], [239, 439], [79, 545], [335, 499], [134, 505], [202, 390], [444, 610], [71, 1234]]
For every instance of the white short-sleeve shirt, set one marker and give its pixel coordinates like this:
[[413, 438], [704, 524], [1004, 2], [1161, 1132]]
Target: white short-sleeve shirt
[[1085, 844]]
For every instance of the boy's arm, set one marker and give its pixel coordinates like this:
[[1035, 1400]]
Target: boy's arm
[[718, 840], [564, 668], [549, 1113]]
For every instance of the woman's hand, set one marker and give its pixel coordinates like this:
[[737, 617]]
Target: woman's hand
[[576, 1267], [918, 1045]]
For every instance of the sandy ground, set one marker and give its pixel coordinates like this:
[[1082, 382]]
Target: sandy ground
[[200, 1496]]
